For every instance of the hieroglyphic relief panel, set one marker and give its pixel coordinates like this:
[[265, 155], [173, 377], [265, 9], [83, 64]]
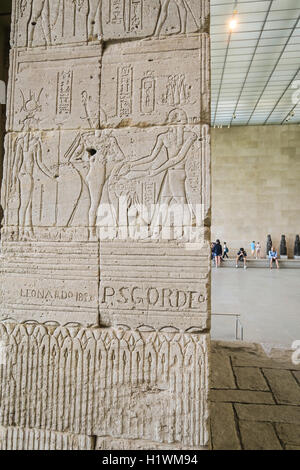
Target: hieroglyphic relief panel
[[44, 23], [50, 282], [109, 184], [120, 383], [66, 94], [143, 81], [45, 195], [144, 18]]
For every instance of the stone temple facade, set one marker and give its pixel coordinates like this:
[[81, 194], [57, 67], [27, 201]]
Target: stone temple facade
[[105, 293]]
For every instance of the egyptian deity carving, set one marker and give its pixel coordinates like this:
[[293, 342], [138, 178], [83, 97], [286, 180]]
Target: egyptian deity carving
[[39, 11], [95, 17], [176, 143], [51, 16], [102, 155], [115, 179], [184, 9], [27, 156]]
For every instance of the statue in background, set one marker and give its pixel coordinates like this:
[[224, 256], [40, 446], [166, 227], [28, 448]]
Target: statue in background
[[269, 244], [283, 248], [297, 246]]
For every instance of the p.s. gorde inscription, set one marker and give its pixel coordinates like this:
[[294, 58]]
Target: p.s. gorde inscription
[[140, 297]]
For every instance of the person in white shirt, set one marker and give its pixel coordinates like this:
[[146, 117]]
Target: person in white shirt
[[258, 250]]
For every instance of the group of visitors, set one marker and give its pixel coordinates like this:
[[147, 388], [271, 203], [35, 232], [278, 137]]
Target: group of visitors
[[219, 254], [255, 250]]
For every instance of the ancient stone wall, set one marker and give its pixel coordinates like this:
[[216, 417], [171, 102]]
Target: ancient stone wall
[[105, 279]]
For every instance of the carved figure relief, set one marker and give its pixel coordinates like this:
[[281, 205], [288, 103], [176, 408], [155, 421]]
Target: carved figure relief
[[103, 155], [95, 17], [26, 158], [176, 143], [39, 12], [184, 9], [50, 22]]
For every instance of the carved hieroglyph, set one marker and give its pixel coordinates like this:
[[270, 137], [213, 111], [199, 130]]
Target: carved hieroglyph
[[105, 250], [143, 81], [45, 23]]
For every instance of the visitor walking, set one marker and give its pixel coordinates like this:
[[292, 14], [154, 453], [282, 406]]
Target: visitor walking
[[241, 256], [225, 251], [258, 250], [218, 253], [252, 245], [273, 256], [213, 252]]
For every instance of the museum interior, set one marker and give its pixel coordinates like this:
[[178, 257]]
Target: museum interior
[[253, 398]]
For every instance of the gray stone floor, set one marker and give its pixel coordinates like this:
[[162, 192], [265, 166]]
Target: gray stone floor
[[255, 398], [268, 302]]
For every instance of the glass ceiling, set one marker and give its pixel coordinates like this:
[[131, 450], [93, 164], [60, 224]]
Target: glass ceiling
[[256, 66]]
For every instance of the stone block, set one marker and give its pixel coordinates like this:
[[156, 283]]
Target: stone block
[[284, 386], [152, 18], [105, 382], [248, 360], [258, 436], [143, 83], [223, 428], [66, 94], [14, 438], [250, 378], [289, 433], [241, 396], [46, 24], [222, 375], [268, 413], [50, 282], [296, 374]]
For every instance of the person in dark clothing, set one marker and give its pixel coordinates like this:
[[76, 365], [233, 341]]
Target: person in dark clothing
[[241, 256], [218, 253]]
